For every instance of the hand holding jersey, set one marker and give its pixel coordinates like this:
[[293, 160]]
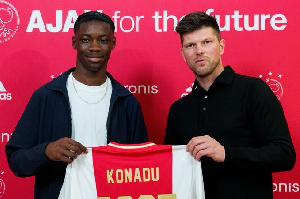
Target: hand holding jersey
[[65, 149], [206, 146]]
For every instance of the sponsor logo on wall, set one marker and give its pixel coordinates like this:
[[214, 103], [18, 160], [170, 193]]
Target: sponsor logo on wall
[[2, 89], [5, 137], [286, 187], [2, 185], [9, 21], [188, 90], [142, 89], [273, 80], [4, 95]]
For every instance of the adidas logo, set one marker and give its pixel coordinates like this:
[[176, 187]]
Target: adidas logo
[[2, 89], [3, 94]]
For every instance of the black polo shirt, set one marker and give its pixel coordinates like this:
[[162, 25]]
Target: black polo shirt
[[244, 115]]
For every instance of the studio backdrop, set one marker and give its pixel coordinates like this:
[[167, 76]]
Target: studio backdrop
[[35, 47]]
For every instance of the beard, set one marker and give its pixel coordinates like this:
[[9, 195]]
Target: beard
[[205, 70]]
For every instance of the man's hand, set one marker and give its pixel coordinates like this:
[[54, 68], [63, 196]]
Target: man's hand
[[206, 146], [64, 149]]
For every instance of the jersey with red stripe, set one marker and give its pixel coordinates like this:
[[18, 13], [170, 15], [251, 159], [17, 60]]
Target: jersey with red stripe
[[134, 171]]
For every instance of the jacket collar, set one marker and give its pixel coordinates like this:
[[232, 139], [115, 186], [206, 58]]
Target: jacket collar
[[59, 84]]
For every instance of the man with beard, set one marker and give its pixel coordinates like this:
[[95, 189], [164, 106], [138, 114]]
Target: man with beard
[[232, 123]]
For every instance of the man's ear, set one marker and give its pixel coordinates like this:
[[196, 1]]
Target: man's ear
[[222, 46], [181, 50], [74, 43]]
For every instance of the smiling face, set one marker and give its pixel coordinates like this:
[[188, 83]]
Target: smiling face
[[202, 50], [94, 41]]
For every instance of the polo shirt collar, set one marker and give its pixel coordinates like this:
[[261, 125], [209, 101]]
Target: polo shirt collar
[[226, 77]]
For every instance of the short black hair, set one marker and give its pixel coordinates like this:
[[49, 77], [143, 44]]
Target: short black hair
[[93, 16], [195, 21]]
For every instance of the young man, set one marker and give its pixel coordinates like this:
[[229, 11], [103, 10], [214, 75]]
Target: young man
[[82, 107], [233, 123]]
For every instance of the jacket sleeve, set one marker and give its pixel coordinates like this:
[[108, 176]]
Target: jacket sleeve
[[137, 124], [25, 156], [275, 151]]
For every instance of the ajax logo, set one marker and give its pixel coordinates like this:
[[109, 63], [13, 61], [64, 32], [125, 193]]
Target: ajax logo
[[9, 21], [274, 84], [2, 186]]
